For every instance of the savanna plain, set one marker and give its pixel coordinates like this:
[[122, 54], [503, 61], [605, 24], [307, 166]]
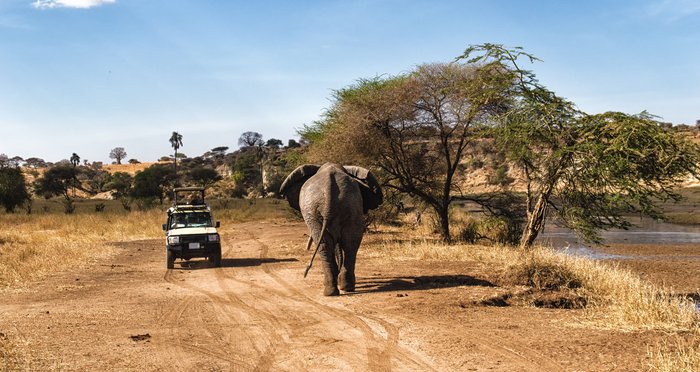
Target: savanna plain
[[90, 291]]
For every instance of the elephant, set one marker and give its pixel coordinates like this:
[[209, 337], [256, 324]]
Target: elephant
[[333, 200]]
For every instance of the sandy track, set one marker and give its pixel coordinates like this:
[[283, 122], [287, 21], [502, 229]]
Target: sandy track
[[257, 313]]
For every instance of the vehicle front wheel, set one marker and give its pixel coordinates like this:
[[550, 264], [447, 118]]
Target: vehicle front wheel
[[170, 259], [215, 259]]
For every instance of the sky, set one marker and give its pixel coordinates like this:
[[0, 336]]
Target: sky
[[86, 76]]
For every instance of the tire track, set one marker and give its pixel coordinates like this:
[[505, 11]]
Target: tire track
[[518, 354], [266, 324], [171, 317], [380, 351], [216, 349]]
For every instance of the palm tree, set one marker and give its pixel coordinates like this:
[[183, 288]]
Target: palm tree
[[176, 142], [75, 160]]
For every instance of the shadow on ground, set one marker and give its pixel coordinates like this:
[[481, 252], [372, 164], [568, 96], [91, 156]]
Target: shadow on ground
[[411, 283], [231, 262], [247, 262]]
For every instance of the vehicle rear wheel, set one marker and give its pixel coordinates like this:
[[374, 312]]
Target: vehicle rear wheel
[[170, 259]]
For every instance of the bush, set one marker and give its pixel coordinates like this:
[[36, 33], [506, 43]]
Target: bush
[[469, 232], [13, 189], [543, 275], [68, 206], [499, 230]]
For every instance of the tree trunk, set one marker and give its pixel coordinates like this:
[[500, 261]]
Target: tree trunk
[[443, 216], [535, 222]]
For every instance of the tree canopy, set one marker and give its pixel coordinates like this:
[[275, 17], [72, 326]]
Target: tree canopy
[[203, 177], [117, 153], [13, 188], [153, 182], [589, 170], [416, 128], [250, 139]]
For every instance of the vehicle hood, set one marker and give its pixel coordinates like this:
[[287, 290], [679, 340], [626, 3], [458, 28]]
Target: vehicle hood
[[192, 231]]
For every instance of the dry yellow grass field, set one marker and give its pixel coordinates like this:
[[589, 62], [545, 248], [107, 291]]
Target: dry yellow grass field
[[127, 168], [38, 245]]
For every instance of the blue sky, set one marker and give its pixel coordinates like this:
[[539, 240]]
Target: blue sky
[[86, 76]]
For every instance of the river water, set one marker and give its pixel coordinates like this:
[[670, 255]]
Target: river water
[[645, 231]]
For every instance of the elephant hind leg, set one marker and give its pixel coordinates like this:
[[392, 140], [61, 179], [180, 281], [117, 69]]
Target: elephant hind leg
[[330, 269], [346, 279]]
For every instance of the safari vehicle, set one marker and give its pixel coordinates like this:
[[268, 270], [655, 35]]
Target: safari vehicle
[[190, 230]]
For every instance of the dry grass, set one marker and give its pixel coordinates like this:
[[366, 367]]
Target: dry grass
[[681, 356], [617, 299], [10, 358], [687, 218], [32, 246], [239, 210], [127, 168]]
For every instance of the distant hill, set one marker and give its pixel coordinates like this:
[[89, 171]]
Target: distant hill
[[127, 168]]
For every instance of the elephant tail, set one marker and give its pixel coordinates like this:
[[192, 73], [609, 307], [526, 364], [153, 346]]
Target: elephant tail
[[318, 245]]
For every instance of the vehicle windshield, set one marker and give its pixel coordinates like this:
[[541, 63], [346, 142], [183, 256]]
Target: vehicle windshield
[[192, 219]]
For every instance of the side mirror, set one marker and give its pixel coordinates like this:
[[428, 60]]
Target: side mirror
[[218, 224], [165, 226]]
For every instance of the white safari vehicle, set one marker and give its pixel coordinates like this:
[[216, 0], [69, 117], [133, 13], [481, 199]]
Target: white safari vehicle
[[190, 230]]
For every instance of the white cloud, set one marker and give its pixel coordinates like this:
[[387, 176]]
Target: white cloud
[[81, 4], [674, 10]]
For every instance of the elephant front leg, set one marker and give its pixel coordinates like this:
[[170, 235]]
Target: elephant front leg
[[330, 270]]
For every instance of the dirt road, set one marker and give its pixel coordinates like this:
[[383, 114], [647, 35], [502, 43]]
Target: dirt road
[[257, 313]]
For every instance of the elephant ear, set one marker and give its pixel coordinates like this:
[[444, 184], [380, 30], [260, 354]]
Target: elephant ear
[[372, 196], [292, 184]]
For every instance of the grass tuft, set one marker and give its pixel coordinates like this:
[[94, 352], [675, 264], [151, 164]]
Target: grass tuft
[[682, 356], [543, 275]]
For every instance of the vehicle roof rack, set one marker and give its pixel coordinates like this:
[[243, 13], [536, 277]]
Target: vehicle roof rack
[[200, 203], [178, 189]]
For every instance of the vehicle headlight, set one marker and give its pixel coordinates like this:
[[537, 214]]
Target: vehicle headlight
[[173, 240], [214, 238]]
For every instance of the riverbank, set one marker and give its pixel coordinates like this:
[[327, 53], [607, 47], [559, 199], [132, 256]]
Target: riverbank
[[675, 266]]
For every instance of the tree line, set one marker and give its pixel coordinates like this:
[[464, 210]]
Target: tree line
[[255, 169]]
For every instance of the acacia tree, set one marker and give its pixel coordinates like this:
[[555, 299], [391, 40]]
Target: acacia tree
[[35, 162], [120, 183], [250, 139], [153, 182], [203, 176], [13, 188], [117, 153], [57, 181], [589, 170], [415, 127]]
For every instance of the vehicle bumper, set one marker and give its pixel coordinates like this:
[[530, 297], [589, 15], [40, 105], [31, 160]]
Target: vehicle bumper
[[183, 251]]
